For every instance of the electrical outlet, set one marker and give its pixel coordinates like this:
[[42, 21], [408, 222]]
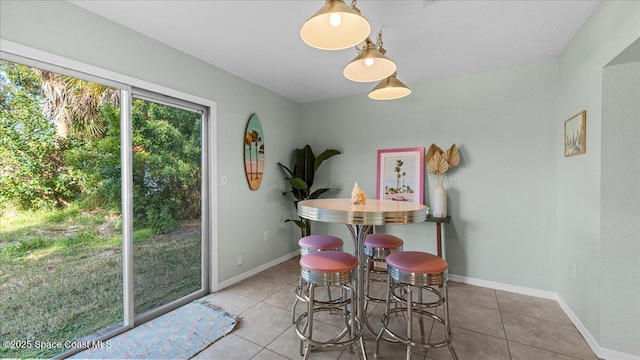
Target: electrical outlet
[[266, 235], [240, 259], [572, 269]]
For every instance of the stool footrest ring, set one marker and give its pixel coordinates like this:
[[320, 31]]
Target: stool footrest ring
[[335, 341], [406, 341]]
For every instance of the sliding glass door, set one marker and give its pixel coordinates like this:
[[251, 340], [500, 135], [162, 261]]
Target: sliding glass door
[[61, 271], [104, 204], [168, 241]]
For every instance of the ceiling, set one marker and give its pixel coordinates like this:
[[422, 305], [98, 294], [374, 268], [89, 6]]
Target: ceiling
[[428, 39]]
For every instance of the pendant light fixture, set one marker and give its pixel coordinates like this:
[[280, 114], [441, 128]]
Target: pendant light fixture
[[389, 89], [335, 26], [371, 64]]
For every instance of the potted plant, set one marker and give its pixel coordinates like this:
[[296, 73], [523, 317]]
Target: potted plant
[[301, 180]]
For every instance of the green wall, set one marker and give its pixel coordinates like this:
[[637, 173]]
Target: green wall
[[501, 197], [620, 248], [64, 29], [612, 27], [522, 212]]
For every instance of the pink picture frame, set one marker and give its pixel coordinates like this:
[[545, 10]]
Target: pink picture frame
[[401, 174]]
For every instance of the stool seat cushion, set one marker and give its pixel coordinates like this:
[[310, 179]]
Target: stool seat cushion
[[322, 242], [329, 261], [381, 240], [417, 262]]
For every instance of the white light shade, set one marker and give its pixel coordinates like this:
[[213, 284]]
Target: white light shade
[[363, 69], [389, 89], [321, 32]]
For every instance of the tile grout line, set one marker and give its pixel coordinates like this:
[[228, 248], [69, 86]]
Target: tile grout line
[[534, 317], [425, 356], [548, 350], [504, 329]]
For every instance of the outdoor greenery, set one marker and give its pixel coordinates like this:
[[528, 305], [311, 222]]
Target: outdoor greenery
[[33, 174], [62, 277], [45, 168], [60, 206]]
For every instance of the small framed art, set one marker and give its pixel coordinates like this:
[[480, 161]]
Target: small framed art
[[401, 175], [575, 134]]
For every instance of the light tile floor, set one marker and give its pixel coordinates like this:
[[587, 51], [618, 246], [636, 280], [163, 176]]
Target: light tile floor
[[487, 324]]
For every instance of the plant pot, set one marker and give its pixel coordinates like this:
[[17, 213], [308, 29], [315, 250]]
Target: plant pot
[[440, 202]]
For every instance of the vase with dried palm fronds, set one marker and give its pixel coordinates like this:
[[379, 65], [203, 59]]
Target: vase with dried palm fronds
[[438, 162]]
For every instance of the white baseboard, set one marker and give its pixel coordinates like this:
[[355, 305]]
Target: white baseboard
[[236, 279], [504, 287], [593, 344], [609, 354], [602, 353]]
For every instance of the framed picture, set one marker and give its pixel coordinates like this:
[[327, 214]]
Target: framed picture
[[401, 174], [575, 134]]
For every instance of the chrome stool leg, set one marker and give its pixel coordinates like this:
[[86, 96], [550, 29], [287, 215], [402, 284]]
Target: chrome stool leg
[[308, 245], [328, 268], [298, 293], [447, 330], [422, 272], [377, 247]]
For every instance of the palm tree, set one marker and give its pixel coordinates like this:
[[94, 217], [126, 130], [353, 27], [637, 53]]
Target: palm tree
[[248, 142], [75, 105], [255, 138], [398, 167], [262, 152]]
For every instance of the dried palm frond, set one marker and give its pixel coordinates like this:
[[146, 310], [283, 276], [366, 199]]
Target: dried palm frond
[[437, 165], [432, 150], [438, 162], [452, 156]]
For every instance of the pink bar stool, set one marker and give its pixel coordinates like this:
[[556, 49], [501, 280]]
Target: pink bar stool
[[311, 244], [422, 271], [328, 268], [376, 249]]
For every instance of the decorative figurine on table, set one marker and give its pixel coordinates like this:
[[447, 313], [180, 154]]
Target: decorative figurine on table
[[358, 196]]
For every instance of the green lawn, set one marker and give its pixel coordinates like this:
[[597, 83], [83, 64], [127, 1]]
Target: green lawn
[[61, 274]]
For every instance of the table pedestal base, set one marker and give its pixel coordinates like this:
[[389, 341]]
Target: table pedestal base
[[358, 234]]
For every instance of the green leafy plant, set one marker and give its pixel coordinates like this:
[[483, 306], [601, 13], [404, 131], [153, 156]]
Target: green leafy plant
[[60, 146], [301, 180]]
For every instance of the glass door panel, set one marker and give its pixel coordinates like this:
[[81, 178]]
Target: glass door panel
[[167, 204], [60, 211]]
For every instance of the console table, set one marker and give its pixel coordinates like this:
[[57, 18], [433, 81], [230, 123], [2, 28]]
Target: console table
[[439, 221]]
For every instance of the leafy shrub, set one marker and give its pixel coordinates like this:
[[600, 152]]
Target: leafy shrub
[[34, 174], [43, 169], [161, 220]]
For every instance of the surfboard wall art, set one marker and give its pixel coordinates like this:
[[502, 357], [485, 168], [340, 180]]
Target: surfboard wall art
[[254, 152]]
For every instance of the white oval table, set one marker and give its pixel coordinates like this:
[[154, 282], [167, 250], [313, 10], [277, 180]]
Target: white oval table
[[359, 218]]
